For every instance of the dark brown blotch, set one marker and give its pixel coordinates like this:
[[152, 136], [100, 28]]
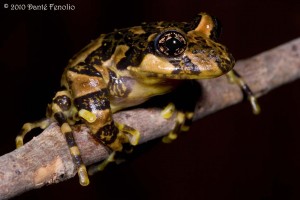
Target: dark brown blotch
[[63, 101], [107, 134], [93, 101]]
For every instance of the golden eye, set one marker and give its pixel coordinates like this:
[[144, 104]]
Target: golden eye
[[170, 43]]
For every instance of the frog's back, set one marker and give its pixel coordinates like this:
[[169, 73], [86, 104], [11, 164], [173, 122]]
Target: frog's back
[[137, 39]]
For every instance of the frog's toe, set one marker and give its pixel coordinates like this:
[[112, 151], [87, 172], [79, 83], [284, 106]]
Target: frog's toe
[[27, 127], [135, 137], [19, 141], [100, 167], [183, 121], [254, 104], [83, 176], [170, 137], [133, 134], [168, 111]]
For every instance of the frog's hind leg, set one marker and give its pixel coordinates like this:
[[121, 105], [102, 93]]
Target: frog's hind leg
[[74, 150], [182, 108], [91, 94], [27, 127], [130, 138], [234, 77], [62, 111]]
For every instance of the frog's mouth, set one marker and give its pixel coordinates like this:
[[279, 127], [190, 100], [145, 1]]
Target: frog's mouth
[[179, 68]]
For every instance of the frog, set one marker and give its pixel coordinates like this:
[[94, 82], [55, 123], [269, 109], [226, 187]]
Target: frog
[[127, 67]]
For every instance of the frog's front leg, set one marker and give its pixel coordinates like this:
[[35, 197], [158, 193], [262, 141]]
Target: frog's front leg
[[183, 121], [234, 77], [94, 109], [91, 98]]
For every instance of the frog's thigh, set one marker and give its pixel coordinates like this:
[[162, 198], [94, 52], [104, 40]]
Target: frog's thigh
[[235, 78]]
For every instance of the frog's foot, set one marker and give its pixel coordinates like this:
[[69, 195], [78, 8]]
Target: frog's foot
[[44, 123], [183, 122], [235, 78], [126, 139], [132, 134], [100, 167], [168, 111]]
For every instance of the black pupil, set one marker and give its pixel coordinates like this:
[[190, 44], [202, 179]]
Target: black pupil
[[173, 45]]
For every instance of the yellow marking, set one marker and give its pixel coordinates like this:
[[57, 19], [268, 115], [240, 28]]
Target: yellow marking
[[65, 127], [240, 82], [137, 30], [135, 134], [189, 115], [61, 93], [155, 64], [19, 141], [55, 108], [255, 106], [96, 168], [170, 137], [87, 50], [152, 37], [116, 145], [134, 140], [119, 126], [168, 111], [75, 151], [28, 127], [82, 84], [83, 175], [44, 124], [184, 128], [87, 115], [232, 78], [118, 54], [180, 118]]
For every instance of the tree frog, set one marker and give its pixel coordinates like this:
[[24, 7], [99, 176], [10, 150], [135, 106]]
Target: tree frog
[[125, 68]]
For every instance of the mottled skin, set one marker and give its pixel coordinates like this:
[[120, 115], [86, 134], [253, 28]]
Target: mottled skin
[[127, 67]]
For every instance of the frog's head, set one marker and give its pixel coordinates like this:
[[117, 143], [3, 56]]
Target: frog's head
[[185, 50]]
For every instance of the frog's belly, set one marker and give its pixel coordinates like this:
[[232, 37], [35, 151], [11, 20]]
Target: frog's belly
[[138, 95]]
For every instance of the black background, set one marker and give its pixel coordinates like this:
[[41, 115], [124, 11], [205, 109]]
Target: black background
[[229, 155]]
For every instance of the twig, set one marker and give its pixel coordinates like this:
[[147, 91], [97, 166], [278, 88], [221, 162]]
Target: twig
[[46, 159]]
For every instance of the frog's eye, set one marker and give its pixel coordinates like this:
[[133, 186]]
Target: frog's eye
[[170, 43]]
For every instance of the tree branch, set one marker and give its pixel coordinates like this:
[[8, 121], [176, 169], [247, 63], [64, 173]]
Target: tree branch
[[46, 158]]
